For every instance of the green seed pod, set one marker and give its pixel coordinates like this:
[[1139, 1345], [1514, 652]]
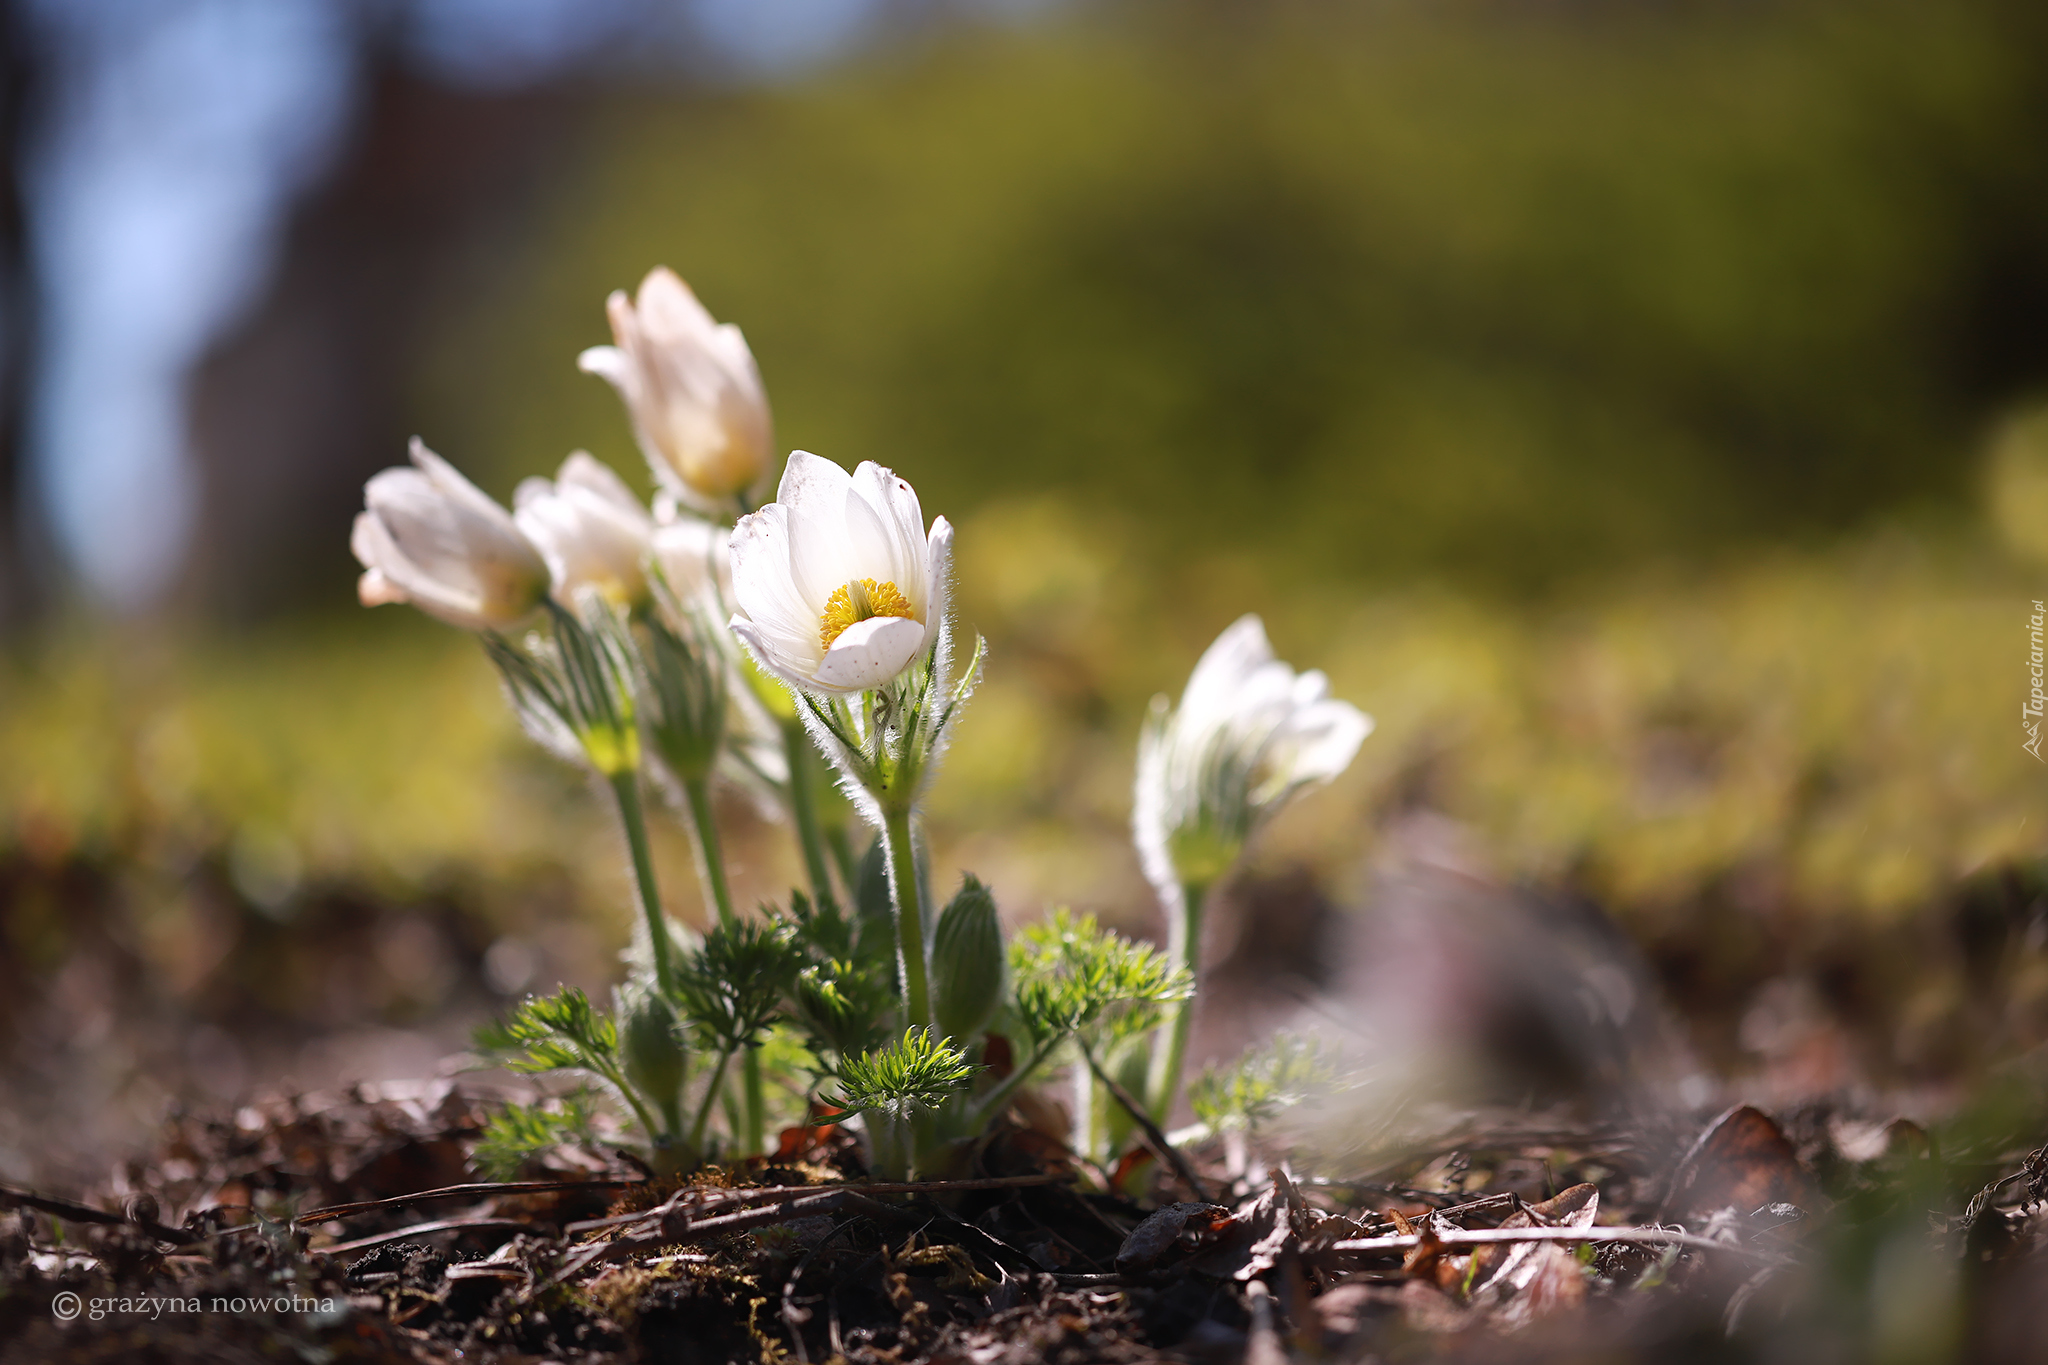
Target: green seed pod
[[651, 1046], [969, 966]]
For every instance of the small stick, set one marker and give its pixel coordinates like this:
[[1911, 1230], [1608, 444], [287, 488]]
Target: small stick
[[801, 1206], [717, 1199], [418, 1230], [1154, 1138], [333, 1211], [1462, 1237], [85, 1213]]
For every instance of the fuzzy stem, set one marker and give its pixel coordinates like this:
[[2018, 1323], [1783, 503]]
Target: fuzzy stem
[[655, 1131], [1170, 1040], [626, 788], [710, 1096], [756, 1137], [991, 1104], [803, 804], [907, 897], [710, 856]]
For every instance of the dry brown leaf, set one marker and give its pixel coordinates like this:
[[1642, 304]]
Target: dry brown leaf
[[1743, 1161]]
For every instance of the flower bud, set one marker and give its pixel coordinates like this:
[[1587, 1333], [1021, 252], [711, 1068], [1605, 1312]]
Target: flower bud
[[692, 391], [589, 528], [430, 537], [650, 1044], [969, 966]]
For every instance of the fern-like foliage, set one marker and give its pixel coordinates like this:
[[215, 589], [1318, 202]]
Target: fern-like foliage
[[559, 1032], [915, 1072], [517, 1133], [845, 994], [1073, 977], [1252, 1091], [734, 983]]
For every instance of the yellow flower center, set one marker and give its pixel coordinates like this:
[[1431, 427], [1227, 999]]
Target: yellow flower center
[[859, 600]]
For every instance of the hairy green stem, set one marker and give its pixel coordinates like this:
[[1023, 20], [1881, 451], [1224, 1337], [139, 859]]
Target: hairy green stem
[[655, 1131], [907, 896], [804, 775], [991, 1104], [710, 1097], [755, 1139], [710, 856], [626, 787], [1170, 1040]]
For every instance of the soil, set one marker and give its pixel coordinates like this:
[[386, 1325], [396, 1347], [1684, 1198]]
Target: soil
[[345, 1229]]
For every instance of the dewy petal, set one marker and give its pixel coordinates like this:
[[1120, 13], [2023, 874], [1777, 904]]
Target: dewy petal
[[869, 653]]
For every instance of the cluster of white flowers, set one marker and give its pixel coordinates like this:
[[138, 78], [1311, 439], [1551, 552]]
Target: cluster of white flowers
[[838, 591]]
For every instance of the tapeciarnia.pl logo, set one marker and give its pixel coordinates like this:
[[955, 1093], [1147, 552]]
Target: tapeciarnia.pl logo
[[2037, 699]]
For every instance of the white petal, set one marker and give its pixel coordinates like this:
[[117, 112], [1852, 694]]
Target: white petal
[[608, 363], [869, 653], [764, 591], [767, 655], [584, 470], [938, 573], [667, 309], [895, 505]]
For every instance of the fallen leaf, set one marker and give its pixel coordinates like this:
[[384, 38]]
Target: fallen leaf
[[1743, 1161]]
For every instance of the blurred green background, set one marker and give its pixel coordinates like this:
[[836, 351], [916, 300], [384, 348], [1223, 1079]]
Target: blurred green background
[[1626, 405]]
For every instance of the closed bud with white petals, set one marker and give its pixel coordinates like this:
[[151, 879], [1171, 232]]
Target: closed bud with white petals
[[692, 391], [590, 529], [430, 537]]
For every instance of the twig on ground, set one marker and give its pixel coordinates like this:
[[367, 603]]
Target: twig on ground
[[15, 1196], [1462, 1237], [420, 1230], [476, 1191], [1154, 1137], [716, 1200]]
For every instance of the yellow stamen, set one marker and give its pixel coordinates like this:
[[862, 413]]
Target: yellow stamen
[[857, 601]]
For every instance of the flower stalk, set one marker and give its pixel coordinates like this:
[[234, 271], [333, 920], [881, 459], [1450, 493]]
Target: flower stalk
[[802, 757], [1170, 1042], [710, 853], [625, 785], [906, 892]]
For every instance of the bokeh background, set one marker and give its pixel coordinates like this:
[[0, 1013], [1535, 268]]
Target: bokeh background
[[1631, 405]]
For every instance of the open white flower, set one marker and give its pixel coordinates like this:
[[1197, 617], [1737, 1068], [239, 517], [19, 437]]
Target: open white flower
[[1249, 733], [432, 538], [692, 390], [838, 585], [589, 528]]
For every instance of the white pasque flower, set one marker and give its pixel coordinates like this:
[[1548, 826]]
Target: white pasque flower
[[838, 585], [1249, 733], [432, 538], [692, 390], [589, 528]]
